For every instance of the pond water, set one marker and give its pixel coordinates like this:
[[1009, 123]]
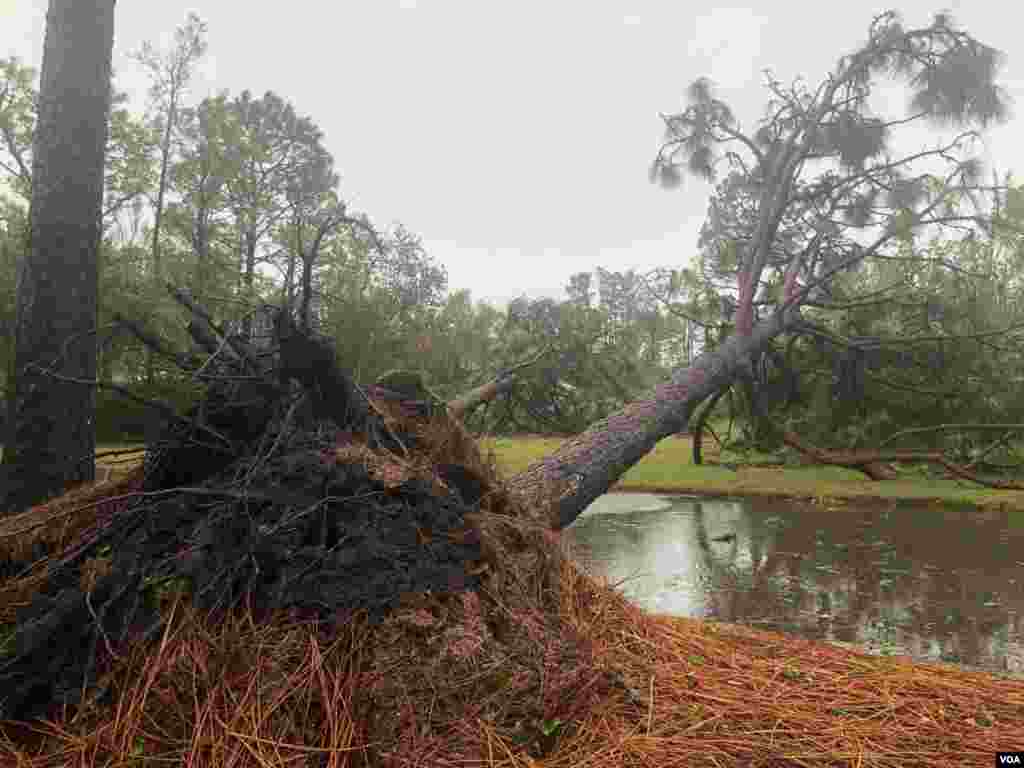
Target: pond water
[[934, 583]]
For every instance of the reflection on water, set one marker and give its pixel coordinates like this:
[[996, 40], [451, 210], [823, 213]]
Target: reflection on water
[[936, 584]]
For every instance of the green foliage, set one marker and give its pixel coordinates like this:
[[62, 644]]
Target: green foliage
[[7, 632], [551, 727], [169, 71], [129, 172], [597, 357], [819, 151], [121, 418], [13, 224], [940, 345], [854, 137], [817, 192], [250, 182], [17, 123]]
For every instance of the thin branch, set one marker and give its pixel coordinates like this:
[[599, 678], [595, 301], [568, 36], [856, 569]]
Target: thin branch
[[953, 428], [158, 405]]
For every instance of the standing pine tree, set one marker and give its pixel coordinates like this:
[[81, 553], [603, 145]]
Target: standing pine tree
[[51, 439]]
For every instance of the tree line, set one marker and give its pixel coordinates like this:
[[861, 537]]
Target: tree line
[[236, 198], [845, 287]]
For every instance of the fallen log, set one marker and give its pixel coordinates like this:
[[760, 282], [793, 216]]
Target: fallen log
[[868, 462], [873, 462]]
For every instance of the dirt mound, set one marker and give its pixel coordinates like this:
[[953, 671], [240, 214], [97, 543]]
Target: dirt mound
[[323, 524], [287, 491], [416, 555]]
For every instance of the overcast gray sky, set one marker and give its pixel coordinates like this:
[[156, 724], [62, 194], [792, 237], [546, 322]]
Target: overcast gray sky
[[515, 137]]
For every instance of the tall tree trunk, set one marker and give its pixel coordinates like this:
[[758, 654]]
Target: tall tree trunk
[[307, 292], [201, 245], [587, 465], [52, 439], [158, 214], [249, 277], [288, 292]]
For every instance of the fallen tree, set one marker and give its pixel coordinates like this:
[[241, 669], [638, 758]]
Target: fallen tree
[[818, 187], [587, 465], [289, 486], [874, 463], [293, 488], [871, 463]]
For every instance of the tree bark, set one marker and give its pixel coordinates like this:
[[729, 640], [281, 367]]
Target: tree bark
[[587, 465], [52, 440]]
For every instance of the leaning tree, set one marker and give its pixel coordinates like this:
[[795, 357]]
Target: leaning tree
[[815, 189]]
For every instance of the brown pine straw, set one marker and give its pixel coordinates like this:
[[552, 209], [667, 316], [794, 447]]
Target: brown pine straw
[[543, 667], [240, 692]]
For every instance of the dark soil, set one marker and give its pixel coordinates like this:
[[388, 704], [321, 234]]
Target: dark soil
[[248, 500]]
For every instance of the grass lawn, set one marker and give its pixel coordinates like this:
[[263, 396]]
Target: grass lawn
[[669, 469]]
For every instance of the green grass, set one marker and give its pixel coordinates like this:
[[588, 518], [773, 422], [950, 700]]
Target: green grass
[[100, 447], [669, 469]]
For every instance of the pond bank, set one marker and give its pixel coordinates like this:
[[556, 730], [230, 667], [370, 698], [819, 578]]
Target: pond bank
[[669, 469], [935, 584]]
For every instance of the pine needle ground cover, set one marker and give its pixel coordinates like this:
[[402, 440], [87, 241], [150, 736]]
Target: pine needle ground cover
[[531, 664]]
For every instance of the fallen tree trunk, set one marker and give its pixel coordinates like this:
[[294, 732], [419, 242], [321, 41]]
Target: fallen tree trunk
[[868, 462], [587, 465], [873, 463]]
